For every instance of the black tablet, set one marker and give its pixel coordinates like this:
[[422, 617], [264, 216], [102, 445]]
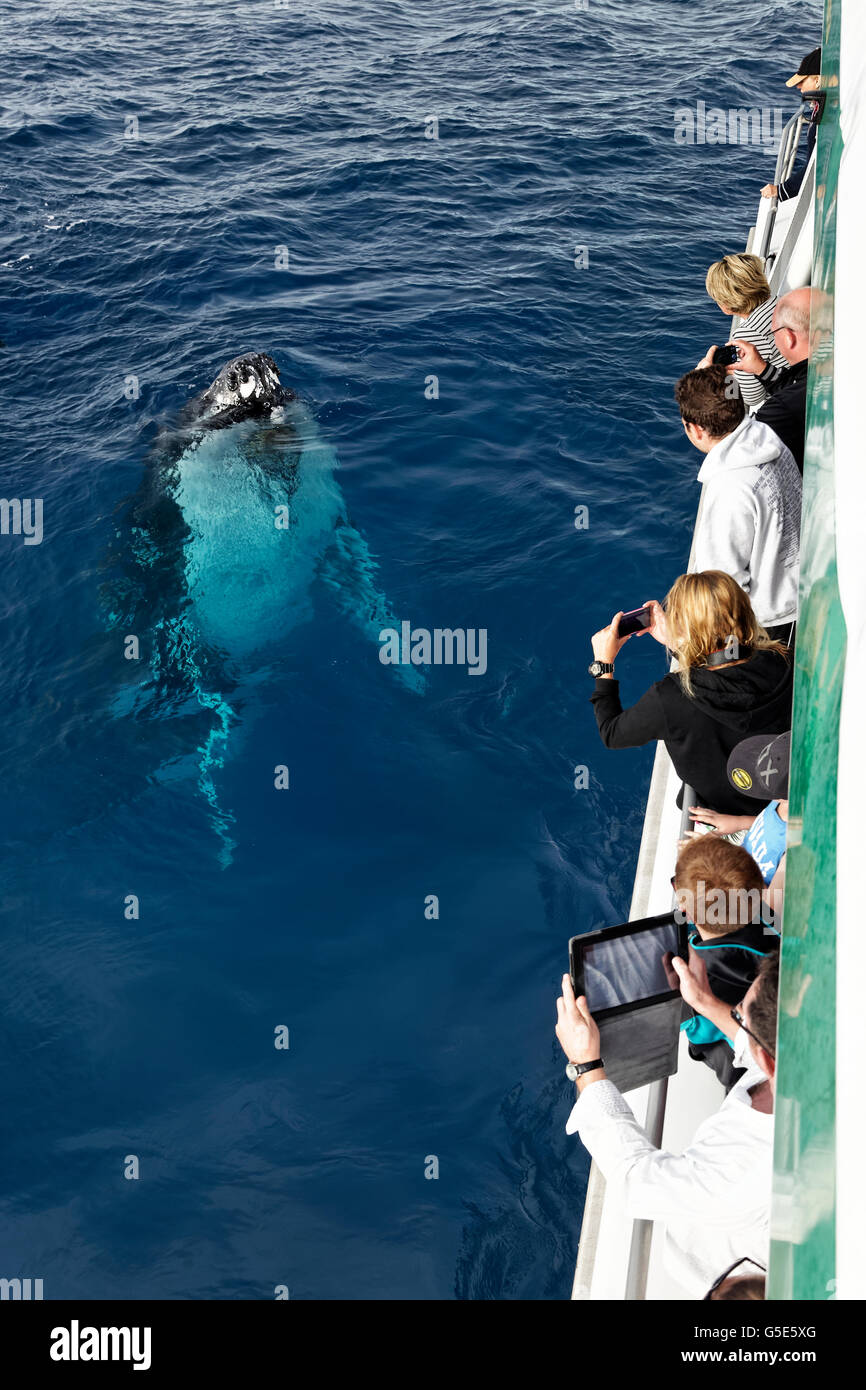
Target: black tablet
[[621, 968]]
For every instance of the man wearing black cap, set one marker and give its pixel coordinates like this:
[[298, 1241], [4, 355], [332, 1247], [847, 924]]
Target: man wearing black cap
[[807, 78], [763, 764], [759, 767]]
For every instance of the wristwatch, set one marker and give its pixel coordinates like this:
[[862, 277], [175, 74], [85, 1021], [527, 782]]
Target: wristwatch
[[576, 1069], [600, 668]]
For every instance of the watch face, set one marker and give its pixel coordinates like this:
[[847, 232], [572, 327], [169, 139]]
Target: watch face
[[571, 1072]]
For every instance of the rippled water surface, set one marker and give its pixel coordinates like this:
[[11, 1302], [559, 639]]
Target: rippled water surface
[[133, 264]]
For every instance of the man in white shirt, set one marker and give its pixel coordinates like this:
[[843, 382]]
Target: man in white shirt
[[713, 1199], [749, 524]]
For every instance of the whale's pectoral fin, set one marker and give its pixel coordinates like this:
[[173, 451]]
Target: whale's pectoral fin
[[348, 569]]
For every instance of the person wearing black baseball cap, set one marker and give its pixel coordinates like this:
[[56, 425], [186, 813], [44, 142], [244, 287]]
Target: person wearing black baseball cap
[[807, 78], [758, 767]]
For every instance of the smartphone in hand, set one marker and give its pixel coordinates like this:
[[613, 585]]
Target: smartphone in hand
[[726, 356], [637, 620]]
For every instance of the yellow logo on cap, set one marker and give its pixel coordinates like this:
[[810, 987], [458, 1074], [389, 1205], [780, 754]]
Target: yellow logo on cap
[[741, 778]]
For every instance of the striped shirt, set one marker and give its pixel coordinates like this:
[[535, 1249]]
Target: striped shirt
[[756, 329]]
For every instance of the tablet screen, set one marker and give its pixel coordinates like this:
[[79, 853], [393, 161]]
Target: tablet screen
[[627, 968]]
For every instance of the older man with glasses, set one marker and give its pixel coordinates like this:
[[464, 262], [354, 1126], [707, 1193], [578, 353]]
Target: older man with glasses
[[713, 1199], [784, 410]]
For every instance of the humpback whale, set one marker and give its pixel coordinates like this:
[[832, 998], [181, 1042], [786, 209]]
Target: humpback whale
[[239, 522]]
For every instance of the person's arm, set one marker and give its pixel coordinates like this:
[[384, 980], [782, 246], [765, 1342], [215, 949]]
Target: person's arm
[[695, 989], [642, 723], [655, 1185], [722, 824], [578, 1033], [774, 893], [627, 728], [791, 186]]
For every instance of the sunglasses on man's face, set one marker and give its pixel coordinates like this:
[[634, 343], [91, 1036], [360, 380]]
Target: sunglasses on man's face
[[738, 1018]]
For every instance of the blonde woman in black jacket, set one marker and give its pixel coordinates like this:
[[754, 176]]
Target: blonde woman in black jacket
[[732, 680]]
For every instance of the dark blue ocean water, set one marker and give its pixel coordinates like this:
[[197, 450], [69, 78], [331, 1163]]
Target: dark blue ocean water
[[304, 127]]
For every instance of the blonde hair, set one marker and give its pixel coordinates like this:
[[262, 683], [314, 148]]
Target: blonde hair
[[707, 612], [738, 282]]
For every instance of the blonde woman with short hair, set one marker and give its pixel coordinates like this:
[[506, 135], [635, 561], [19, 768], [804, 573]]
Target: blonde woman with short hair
[[739, 286], [732, 680]]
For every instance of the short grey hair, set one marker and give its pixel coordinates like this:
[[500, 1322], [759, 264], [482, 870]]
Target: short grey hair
[[793, 315]]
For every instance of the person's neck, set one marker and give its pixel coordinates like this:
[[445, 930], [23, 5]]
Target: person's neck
[[761, 1097], [706, 934]]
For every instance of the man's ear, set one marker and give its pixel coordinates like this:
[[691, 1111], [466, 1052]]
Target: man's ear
[[766, 1062]]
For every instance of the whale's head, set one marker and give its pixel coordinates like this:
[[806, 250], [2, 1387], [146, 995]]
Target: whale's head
[[248, 385]]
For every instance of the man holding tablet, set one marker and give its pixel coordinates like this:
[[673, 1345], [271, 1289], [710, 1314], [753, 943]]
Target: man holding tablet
[[714, 1199]]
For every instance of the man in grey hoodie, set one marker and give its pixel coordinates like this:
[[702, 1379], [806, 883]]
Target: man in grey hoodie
[[749, 522]]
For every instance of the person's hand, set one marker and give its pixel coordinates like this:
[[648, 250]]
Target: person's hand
[[658, 627], [693, 982], [749, 359], [576, 1028], [707, 360], [770, 190], [722, 824], [606, 643], [689, 835]]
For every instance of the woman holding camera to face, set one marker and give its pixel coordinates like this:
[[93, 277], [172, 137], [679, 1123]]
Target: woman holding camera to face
[[731, 680]]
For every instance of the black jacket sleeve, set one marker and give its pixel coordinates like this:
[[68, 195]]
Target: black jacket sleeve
[[627, 728], [791, 187]]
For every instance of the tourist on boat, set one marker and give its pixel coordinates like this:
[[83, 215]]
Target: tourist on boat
[[807, 78], [749, 521], [733, 680], [739, 286], [758, 767], [718, 888], [713, 1198], [785, 409]]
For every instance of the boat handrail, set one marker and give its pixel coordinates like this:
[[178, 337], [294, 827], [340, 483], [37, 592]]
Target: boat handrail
[[777, 262], [789, 142], [637, 1271]]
